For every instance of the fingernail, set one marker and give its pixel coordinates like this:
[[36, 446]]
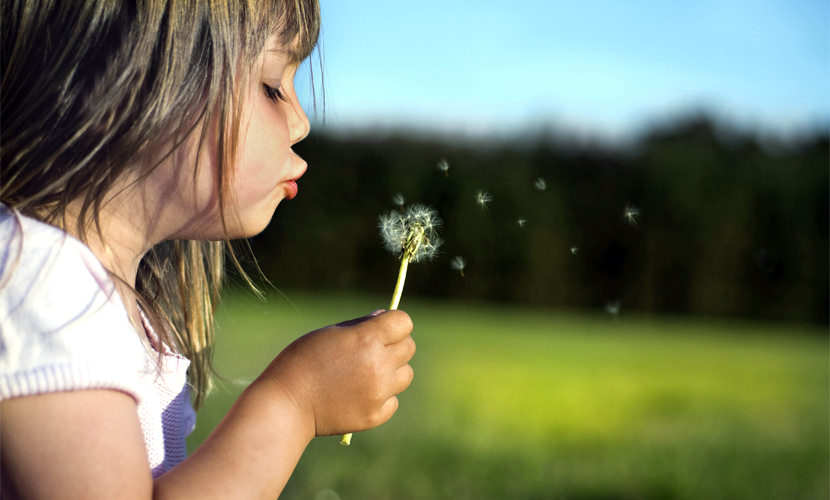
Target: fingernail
[[377, 311]]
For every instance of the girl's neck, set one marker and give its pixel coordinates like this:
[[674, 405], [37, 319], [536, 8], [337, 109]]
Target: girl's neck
[[142, 211], [119, 246], [118, 240]]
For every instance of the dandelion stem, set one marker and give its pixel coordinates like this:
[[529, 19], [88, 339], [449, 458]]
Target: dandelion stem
[[396, 297], [346, 439]]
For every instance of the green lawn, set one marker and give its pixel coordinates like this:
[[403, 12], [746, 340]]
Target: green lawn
[[520, 404]]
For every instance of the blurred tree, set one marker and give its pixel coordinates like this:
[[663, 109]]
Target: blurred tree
[[728, 224]]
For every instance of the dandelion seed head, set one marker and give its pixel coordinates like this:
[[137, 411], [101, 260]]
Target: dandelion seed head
[[574, 250], [427, 250], [613, 307], [398, 199], [424, 216], [540, 184], [631, 214], [392, 231], [521, 222], [411, 234], [483, 198]]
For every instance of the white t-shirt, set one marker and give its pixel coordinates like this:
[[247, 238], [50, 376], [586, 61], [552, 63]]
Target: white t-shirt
[[63, 327]]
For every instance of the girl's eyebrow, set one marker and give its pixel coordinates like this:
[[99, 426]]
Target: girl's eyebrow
[[292, 55]]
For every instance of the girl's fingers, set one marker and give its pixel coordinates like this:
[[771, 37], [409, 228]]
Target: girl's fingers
[[387, 410], [389, 326], [402, 379], [396, 325], [357, 321], [402, 351]]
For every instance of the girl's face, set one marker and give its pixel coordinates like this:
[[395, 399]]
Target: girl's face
[[265, 169]]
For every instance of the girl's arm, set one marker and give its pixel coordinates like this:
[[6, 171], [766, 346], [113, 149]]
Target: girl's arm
[[88, 444], [73, 445]]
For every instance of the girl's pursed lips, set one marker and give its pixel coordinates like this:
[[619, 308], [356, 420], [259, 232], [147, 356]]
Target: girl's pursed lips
[[291, 188], [300, 171]]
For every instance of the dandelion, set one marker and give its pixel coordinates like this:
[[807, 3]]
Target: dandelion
[[574, 250], [458, 264], [398, 200], [412, 235], [483, 198], [444, 166], [521, 222], [631, 214], [540, 184]]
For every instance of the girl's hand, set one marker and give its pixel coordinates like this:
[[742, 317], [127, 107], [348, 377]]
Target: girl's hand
[[84, 444], [345, 377]]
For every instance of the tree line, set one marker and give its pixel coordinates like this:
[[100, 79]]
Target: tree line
[[692, 218]]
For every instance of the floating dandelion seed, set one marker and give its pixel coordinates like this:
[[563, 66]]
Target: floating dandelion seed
[[398, 199], [327, 495], [521, 222], [412, 235], [540, 184], [483, 198], [631, 214], [444, 166], [613, 308], [574, 250], [458, 264]]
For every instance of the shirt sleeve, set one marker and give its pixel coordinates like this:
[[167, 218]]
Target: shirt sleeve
[[63, 326]]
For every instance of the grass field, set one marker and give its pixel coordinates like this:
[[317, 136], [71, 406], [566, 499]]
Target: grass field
[[521, 404]]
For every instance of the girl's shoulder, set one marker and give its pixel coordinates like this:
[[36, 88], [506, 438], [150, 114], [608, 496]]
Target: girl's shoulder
[[36, 257], [23, 239], [62, 323]]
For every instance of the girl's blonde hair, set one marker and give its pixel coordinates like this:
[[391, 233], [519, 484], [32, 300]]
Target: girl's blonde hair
[[92, 89]]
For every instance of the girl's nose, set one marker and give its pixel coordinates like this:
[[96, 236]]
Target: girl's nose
[[298, 123]]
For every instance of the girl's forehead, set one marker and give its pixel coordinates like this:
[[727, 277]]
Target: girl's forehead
[[276, 47]]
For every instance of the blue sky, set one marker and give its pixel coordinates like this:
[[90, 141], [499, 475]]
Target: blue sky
[[601, 67]]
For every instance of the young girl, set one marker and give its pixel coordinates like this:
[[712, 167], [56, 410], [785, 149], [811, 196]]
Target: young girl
[[137, 139]]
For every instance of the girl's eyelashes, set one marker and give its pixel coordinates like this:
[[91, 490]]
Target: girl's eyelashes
[[274, 93]]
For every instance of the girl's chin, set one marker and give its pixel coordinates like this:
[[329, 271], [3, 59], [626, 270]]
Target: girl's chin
[[255, 224], [234, 230]]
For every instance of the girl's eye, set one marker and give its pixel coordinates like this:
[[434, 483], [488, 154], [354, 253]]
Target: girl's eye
[[274, 94]]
